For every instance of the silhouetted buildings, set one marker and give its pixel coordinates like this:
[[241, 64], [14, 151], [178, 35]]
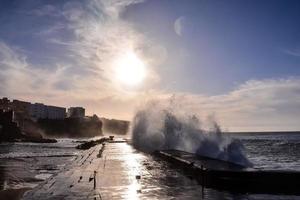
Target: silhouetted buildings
[[6, 117], [8, 128], [23, 109], [4, 103], [76, 112], [25, 121], [114, 126], [41, 111]]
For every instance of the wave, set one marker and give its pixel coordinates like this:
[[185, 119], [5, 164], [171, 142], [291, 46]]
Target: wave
[[159, 126]]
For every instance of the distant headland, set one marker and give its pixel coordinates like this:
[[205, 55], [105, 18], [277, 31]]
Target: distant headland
[[35, 122]]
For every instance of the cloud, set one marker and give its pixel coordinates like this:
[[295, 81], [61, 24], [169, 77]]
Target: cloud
[[9, 58], [256, 105], [101, 37], [295, 52], [179, 25], [83, 74], [270, 104], [113, 8], [92, 36], [45, 11], [20, 79], [15, 74], [51, 30]]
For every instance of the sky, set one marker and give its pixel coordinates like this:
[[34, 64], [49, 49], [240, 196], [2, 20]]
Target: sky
[[236, 60]]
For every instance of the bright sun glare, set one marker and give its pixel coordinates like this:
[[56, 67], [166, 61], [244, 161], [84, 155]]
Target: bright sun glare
[[130, 69]]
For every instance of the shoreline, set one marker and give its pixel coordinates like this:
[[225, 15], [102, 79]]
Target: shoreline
[[261, 132], [26, 165], [13, 194]]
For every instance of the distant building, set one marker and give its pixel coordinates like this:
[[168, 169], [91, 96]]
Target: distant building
[[38, 111], [8, 128], [4, 103], [24, 110], [76, 112], [41, 111], [55, 112], [6, 117], [15, 105], [21, 111], [20, 106]]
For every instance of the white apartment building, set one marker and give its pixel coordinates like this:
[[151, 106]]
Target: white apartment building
[[55, 112], [41, 111]]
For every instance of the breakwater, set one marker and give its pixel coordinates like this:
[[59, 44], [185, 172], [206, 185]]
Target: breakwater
[[224, 175]]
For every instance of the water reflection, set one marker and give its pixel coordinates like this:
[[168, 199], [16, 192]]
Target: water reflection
[[133, 191], [124, 173], [2, 178], [151, 178], [4, 149], [161, 180], [24, 165], [132, 164]]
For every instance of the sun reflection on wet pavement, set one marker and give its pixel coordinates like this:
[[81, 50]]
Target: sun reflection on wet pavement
[[124, 173]]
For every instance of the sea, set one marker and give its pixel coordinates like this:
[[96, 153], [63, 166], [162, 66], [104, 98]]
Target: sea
[[25, 165]]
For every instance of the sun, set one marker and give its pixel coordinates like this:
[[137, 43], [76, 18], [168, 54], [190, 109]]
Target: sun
[[130, 69]]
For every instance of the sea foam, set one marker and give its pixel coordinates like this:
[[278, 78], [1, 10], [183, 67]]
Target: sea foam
[[159, 126]]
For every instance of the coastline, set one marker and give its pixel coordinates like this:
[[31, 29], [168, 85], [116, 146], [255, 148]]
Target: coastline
[[25, 165], [13, 194], [261, 132]]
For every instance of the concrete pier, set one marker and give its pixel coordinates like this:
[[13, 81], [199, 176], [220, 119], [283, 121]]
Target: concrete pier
[[115, 171], [102, 172]]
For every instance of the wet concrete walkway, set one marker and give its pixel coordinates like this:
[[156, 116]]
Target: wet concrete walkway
[[119, 173]]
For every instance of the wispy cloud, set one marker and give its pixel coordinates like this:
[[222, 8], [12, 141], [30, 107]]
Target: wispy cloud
[[101, 37], [46, 10], [20, 79], [295, 52], [270, 104], [98, 36]]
